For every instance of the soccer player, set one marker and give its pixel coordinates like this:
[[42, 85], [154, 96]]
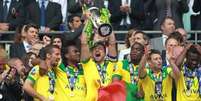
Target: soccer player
[[157, 80], [128, 71], [189, 82], [70, 83], [97, 70], [40, 83]]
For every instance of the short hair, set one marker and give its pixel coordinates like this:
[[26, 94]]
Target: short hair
[[163, 21], [153, 51], [176, 35], [57, 36], [169, 39], [29, 26], [49, 50], [71, 17], [67, 45], [137, 43], [192, 49], [128, 35], [145, 37], [101, 43]]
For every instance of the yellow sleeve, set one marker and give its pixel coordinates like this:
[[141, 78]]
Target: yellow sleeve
[[118, 70], [33, 74]]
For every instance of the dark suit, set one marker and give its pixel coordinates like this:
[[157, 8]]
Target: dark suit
[[150, 15], [197, 8], [157, 43], [76, 7], [17, 50], [16, 14], [26, 2], [136, 15], [177, 10], [53, 16]]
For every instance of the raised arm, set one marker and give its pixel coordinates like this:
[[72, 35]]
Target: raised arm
[[176, 72], [182, 56], [142, 70], [112, 49], [85, 52]]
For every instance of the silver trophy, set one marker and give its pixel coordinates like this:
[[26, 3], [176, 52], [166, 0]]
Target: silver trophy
[[100, 20]]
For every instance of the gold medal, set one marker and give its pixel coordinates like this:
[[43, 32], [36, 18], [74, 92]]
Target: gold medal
[[188, 92], [71, 94]]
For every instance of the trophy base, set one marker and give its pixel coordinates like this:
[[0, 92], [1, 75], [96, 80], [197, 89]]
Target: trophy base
[[105, 30]]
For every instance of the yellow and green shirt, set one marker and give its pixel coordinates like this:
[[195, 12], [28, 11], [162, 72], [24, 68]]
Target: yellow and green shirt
[[41, 83], [63, 91], [182, 90], [148, 85], [93, 79], [123, 72]]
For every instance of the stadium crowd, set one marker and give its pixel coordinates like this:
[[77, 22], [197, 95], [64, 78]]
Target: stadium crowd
[[66, 67]]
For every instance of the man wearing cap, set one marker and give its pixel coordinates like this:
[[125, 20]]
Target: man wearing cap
[[97, 68]]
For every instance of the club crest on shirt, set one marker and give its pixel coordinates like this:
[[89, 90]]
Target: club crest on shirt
[[33, 71]]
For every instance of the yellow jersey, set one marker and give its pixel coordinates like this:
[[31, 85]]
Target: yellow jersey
[[187, 95], [148, 85], [63, 91], [93, 78], [123, 71], [41, 83], [128, 72]]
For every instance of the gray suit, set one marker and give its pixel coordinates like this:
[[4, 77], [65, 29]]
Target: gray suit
[[157, 43], [177, 10]]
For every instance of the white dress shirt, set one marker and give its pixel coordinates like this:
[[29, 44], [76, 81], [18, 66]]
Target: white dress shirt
[[127, 19], [164, 39], [27, 46], [8, 4], [123, 53]]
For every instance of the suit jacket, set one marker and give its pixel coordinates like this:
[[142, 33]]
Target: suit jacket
[[177, 9], [16, 14], [136, 15], [150, 15], [76, 7], [157, 43], [26, 2], [53, 16], [197, 8], [17, 50]]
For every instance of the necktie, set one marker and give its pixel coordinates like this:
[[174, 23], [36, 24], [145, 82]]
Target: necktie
[[5, 10], [168, 9], [42, 13], [164, 58]]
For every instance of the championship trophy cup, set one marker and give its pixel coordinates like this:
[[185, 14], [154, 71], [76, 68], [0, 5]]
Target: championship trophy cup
[[98, 22]]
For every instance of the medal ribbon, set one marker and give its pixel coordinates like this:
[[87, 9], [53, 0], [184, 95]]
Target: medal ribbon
[[189, 77], [133, 74], [72, 78], [102, 71], [52, 78], [158, 79]]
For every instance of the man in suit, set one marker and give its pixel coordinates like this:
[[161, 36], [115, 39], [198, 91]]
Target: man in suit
[[126, 14], [11, 14], [197, 8], [45, 14], [75, 6], [167, 27], [171, 8], [20, 49]]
